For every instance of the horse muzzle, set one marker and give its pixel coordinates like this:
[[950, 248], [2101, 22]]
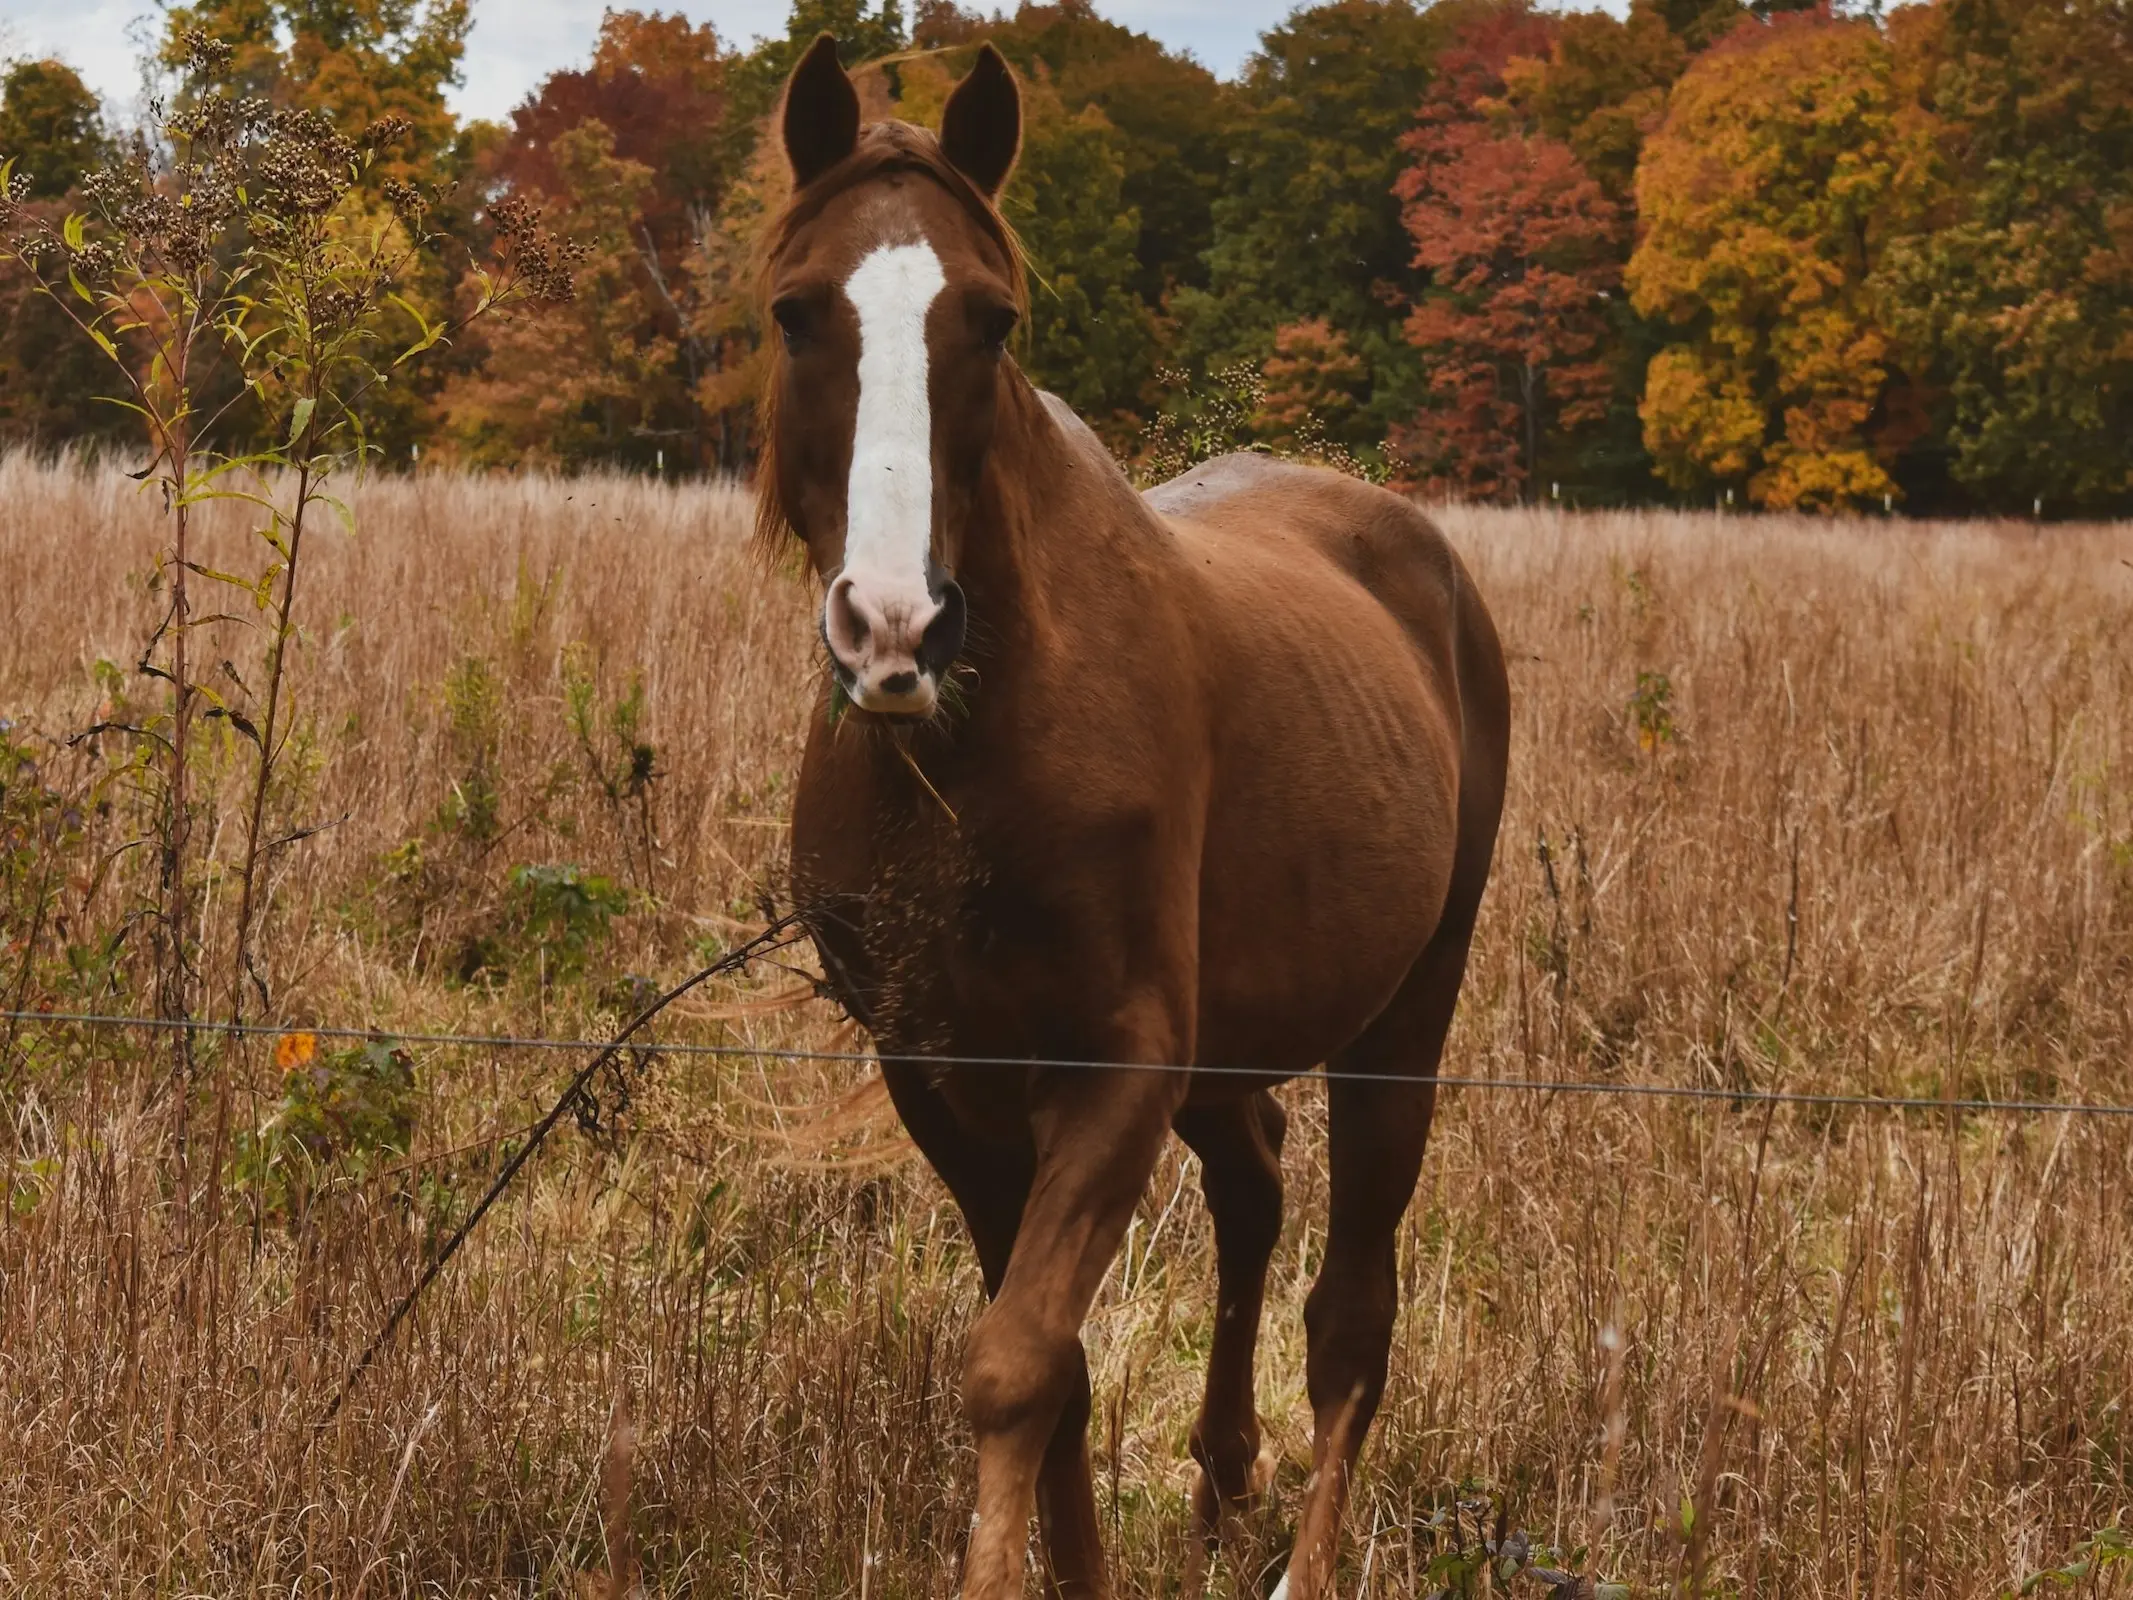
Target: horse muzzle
[[892, 649]]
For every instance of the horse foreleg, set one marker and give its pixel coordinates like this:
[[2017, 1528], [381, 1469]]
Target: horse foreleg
[[1025, 1377], [1239, 1147], [990, 1183]]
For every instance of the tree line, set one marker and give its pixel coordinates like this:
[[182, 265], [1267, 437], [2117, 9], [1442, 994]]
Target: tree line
[[1707, 252]]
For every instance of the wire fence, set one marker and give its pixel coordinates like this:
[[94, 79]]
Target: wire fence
[[788, 929], [1742, 1096]]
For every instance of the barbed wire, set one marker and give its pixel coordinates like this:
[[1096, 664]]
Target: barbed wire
[[1968, 1105]]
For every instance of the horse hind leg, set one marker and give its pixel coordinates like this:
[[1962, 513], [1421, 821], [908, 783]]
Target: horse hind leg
[[1380, 1098], [1239, 1147]]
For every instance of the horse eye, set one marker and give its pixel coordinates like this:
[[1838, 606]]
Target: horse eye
[[995, 323], [792, 321]]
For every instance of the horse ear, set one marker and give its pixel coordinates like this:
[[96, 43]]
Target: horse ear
[[821, 119], [981, 128]]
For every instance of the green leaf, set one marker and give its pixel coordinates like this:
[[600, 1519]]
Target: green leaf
[[300, 419], [80, 289], [348, 520], [229, 578], [103, 342], [71, 230]]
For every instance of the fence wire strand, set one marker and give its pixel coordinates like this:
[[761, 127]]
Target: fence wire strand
[[1969, 1105]]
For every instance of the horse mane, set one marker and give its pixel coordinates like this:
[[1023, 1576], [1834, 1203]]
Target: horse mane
[[883, 147]]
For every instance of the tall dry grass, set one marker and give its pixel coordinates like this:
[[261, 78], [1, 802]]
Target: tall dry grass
[[1834, 806]]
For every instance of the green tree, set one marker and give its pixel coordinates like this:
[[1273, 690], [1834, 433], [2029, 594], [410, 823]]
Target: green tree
[[2016, 301], [52, 124], [1766, 201], [1173, 118], [1091, 339], [52, 131], [755, 80], [1308, 225]]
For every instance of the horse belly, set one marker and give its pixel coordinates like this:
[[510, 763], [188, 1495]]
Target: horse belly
[[1331, 832]]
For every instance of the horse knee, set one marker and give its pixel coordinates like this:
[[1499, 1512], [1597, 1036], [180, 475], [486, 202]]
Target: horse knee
[[1022, 1379]]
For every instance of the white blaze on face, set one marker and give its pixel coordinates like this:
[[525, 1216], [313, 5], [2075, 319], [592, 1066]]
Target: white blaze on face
[[889, 500]]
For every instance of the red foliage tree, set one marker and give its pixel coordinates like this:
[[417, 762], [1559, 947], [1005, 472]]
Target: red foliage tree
[[630, 149], [658, 84], [1523, 250]]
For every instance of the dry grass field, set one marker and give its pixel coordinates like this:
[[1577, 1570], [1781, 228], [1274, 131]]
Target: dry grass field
[[1806, 805]]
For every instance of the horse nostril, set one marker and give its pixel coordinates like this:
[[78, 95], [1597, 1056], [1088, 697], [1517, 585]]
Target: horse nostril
[[900, 683], [942, 641], [844, 624]]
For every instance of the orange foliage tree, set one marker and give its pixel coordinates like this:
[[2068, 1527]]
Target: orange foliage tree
[[590, 381], [627, 154], [1313, 384]]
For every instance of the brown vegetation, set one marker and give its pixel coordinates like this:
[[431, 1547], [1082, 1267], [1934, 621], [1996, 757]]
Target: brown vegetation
[[1813, 805]]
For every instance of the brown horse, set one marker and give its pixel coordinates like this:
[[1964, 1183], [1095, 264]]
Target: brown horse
[[1208, 777]]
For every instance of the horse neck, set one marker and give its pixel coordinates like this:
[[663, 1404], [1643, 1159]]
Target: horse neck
[[1053, 513]]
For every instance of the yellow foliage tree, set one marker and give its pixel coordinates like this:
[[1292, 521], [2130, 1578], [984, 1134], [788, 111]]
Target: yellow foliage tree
[[1788, 158]]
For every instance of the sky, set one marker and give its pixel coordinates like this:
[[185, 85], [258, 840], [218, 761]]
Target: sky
[[516, 43]]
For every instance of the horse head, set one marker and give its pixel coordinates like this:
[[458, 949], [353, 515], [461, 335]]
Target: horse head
[[894, 285]]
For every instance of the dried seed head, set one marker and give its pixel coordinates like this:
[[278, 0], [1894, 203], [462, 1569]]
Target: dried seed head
[[546, 263], [204, 53], [512, 217], [93, 262], [406, 199]]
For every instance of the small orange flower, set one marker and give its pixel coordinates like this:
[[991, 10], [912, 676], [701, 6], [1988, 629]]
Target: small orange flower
[[293, 1050]]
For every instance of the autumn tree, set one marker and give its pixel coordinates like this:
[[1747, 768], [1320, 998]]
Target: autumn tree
[[657, 83], [2015, 299], [586, 382], [1600, 87], [1313, 385], [360, 62], [656, 90], [1519, 242], [1766, 200], [357, 60]]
